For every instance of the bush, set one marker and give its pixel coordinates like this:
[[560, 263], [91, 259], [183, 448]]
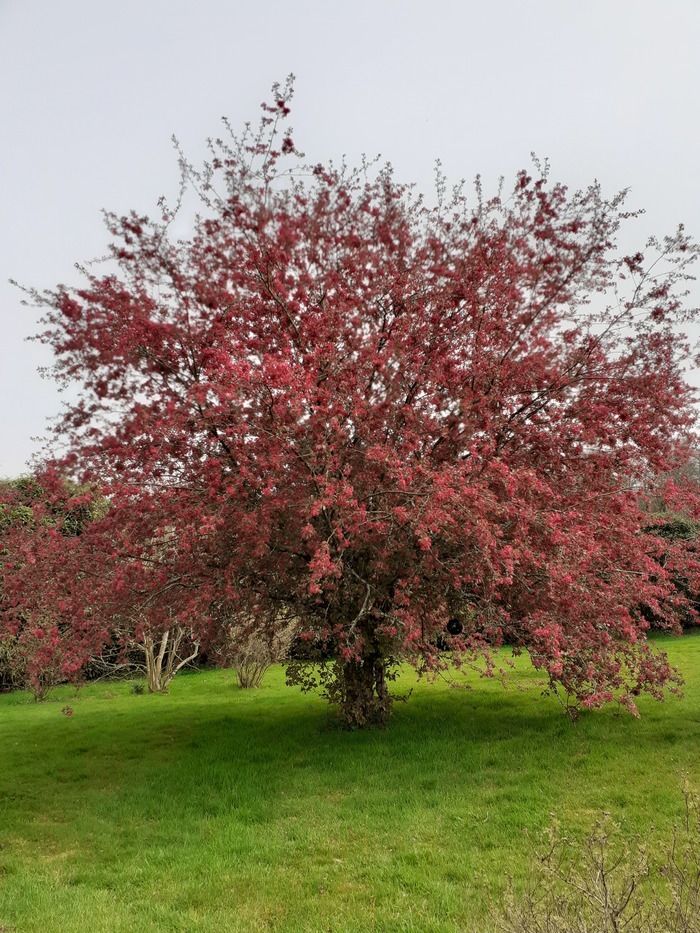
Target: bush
[[252, 653], [12, 666], [608, 884], [31, 663]]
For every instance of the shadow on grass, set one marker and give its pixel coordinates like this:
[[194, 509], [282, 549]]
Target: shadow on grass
[[258, 748]]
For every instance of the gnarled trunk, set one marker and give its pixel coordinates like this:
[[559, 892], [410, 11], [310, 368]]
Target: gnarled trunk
[[364, 695]]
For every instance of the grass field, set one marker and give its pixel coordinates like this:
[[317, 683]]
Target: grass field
[[218, 809]]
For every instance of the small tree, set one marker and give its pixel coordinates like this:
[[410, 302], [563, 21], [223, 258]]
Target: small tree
[[141, 593], [80, 578], [43, 521]]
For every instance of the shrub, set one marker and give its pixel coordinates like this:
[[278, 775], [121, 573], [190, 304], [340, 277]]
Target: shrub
[[252, 652], [608, 883], [12, 666]]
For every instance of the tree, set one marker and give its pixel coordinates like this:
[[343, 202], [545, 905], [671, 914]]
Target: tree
[[44, 521], [82, 578], [377, 414], [673, 521]]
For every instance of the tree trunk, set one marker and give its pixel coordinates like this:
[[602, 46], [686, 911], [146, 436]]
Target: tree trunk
[[163, 662], [364, 696], [154, 663]]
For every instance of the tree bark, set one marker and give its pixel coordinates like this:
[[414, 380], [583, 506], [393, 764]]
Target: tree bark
[[161, 667], [364, 695]]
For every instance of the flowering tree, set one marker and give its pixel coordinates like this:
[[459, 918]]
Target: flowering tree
[[142, 593], [43, 527], [379, 415], [80, 575]]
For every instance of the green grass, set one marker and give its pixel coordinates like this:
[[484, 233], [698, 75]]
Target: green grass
[[221, 810]]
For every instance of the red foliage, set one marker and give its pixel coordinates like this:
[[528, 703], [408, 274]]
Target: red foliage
[[42, 522], [385, 414], [80, 573]]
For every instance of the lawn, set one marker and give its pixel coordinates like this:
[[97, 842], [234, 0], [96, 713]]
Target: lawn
[[219, 809]]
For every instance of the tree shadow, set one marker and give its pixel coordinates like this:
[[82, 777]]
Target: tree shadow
[[261, 750]]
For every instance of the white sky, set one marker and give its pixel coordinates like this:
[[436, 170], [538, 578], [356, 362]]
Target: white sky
[[91, 91]]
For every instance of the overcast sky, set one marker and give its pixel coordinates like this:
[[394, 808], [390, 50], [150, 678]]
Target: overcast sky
[[91, 91]]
